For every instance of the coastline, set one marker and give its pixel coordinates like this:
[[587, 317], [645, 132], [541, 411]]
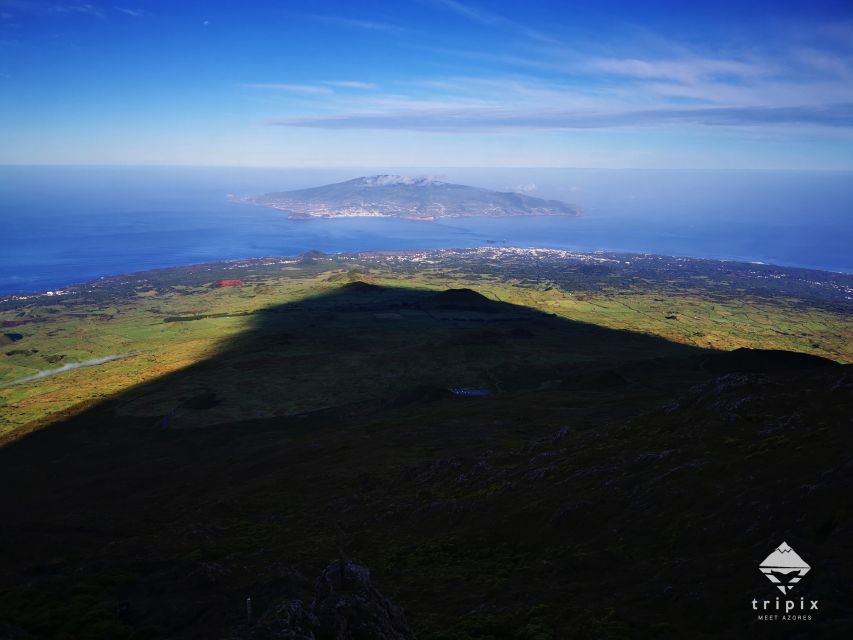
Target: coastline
[[69, 289]]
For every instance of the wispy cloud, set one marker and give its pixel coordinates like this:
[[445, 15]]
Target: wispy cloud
[[85, 9], [536, 83], [352, 84], [27, 7], [386, 101], [358, 23], [489, 18], [10, 8], [681, 70], [498, 119], [133, 13], [309, 89]]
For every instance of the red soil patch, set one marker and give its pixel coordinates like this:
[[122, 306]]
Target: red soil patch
[[228, 283]]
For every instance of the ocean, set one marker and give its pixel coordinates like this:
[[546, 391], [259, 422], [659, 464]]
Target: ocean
[[62, 225]]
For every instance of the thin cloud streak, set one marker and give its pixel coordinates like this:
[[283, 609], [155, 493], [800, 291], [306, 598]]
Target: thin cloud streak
[[47, 9], [352, 84], [492, 119], [490, 19], [357, 23], [309, 89], [133, 13], [684, 70]]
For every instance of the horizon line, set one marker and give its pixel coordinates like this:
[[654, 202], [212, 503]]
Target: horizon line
[[419, 166]]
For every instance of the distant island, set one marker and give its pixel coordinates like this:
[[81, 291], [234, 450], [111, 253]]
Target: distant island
[[413, 198]]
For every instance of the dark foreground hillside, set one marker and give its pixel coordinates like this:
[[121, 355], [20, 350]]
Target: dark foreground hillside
[[503, 473]]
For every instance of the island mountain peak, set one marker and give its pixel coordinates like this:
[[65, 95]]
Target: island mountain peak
[[384, 180], [412, 197]]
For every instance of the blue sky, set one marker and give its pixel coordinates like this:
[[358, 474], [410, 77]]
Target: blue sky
[[751, 85]]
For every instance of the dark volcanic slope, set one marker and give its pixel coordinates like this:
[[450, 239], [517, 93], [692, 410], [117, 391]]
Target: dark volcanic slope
[[403, 197], [612, 485]]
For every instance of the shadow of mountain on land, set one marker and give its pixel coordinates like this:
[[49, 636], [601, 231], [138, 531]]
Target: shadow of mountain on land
[[362, 347], [158, 512]]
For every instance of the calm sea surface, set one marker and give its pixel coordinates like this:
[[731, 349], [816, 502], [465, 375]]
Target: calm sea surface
[[60, 225]]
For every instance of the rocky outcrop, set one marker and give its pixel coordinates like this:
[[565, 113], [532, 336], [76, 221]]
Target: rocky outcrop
[[288, 621], [346, 606]]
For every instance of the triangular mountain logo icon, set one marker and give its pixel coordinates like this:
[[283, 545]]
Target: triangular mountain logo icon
[[784, 568]]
